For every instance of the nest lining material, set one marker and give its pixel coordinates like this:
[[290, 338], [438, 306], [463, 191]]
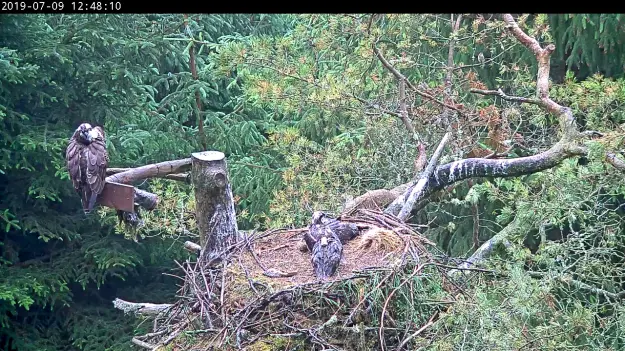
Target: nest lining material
[[376, 246]]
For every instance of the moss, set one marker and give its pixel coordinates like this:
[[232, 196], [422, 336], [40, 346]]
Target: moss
[[277, 343]]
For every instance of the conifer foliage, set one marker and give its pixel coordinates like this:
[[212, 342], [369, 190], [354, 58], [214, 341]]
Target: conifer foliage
[[130, 74]]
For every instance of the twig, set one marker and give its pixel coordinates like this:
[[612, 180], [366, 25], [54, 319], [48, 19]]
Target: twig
[[400, 76], [503, 95], [143, 344], [427, 325]]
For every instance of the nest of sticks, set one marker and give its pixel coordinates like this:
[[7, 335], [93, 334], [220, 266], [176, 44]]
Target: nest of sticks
[[263, 291]]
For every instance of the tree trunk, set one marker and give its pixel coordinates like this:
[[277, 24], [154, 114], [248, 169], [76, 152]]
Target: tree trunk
[[214, 206]]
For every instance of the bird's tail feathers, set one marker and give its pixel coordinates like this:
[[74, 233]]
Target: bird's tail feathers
[[88, 201], [92, 200]]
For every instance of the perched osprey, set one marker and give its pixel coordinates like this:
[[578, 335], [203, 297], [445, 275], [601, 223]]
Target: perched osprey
[[87, 160], [326, 253]]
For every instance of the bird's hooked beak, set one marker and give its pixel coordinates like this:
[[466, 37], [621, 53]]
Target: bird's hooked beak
[[92, 134], [324, 241]]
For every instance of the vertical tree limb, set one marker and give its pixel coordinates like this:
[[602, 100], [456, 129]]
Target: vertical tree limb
[[214, 207], [449, 72], [403, 111], [406, 202], [198, 101]]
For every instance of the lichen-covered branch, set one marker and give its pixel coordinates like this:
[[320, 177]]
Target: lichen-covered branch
[[141, 308], [403, 205], [487, 248], [479, 167]]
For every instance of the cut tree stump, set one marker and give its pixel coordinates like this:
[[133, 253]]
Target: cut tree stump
[[214, 205]]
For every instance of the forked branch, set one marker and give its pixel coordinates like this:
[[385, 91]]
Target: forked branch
[[568, 145]]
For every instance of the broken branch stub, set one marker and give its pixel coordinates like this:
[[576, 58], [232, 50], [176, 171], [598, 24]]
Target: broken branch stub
[[403, 205], [214, 204]]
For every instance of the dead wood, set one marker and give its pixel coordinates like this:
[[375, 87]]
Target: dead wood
[[144, 199], [181, 177], [141, 308], [156, 170], [402, 206], [215, 212], [192, 247]]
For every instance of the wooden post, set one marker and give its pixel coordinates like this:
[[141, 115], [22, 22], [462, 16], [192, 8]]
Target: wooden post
[[214, 205]]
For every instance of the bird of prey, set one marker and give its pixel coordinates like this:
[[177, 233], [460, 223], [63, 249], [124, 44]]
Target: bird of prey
[[326, 253], [314, 230], [320, 221], [87, 160]]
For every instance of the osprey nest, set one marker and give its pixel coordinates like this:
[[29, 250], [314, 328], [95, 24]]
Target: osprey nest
[[332, 285]]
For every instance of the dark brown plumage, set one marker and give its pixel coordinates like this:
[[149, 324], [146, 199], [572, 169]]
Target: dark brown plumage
[[87, 160], [326, 253], [344, 231]]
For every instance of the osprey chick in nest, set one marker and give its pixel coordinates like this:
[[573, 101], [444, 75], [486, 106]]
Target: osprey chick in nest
[[326, 253], [344, 231]]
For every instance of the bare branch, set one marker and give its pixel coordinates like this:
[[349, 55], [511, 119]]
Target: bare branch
[[141, 308], [409, 198], [615, 162], [400, 76], [487, 248], [156, 170], [503, 95], [567, 121], [192, 247], [180, 177], [479, 167], [146, 199], [403, 110], [143, 344]]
